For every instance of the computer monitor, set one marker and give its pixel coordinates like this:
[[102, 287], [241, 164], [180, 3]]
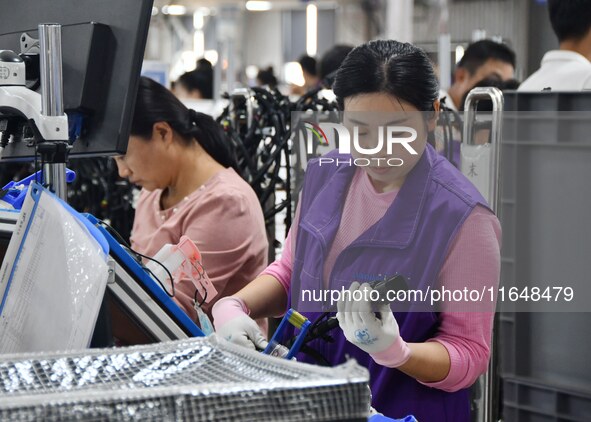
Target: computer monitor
[[103, 44]]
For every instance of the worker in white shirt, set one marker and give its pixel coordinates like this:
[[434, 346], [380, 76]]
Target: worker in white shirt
[[569, 67], [484, 59]]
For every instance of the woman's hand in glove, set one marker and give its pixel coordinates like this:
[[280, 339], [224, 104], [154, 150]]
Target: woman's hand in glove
[[231, 321], [380, 337]]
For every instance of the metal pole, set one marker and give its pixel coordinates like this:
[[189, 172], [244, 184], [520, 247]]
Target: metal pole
[[399, 22], [490, 378], [50, 40], [231, 71], [54, 174], [52, 104], [444, 46]]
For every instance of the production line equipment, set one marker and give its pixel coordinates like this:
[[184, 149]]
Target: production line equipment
[[66, 91]]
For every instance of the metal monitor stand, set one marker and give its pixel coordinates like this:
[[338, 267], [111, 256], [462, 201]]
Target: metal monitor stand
[[53, 153]]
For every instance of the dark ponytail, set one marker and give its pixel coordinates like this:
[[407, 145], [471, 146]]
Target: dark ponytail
[[155, 103], [399, 69]]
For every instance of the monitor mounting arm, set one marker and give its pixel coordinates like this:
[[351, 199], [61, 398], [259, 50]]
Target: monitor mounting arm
[[36, 118]]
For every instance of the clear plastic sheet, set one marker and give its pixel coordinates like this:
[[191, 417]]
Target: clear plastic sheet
[[53, 279], [201, 379]]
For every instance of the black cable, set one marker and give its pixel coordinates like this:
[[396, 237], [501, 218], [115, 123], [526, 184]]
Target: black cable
[[315, 354], [318, 330], [36, 165], [287, 188], [202, 301], [99, 191], [318, 321], [116, 234], [308, 97], [122, 241], [261, 131], [153, 275], [43, 178]]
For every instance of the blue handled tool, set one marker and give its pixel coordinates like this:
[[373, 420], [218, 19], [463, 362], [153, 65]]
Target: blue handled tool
[[274, 348]]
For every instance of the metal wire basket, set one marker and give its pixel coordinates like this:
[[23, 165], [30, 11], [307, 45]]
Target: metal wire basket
[[201, 379]]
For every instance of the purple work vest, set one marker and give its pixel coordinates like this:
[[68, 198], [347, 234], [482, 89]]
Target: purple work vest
[[411, 239]]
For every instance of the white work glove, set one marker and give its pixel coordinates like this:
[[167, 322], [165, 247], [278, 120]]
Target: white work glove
[[380, 337], [231, 321]]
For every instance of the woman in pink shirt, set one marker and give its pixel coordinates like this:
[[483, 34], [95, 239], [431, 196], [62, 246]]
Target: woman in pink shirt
[[186, 169]]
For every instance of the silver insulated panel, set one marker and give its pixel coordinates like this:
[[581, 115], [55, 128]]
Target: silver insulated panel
[[201, 379]]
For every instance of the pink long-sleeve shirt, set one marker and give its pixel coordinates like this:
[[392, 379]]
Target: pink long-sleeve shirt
[[473, 259], [224, 219]]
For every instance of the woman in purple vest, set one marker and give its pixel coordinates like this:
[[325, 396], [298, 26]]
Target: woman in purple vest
[[422, 219]]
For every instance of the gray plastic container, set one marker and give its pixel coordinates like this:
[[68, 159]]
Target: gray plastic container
[[546, 219], [527, 401]]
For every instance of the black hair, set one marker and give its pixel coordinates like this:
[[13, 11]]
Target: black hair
[[204, 65], [487, 105], [198, 80], [571, 20], [481, 51], [332, 59], [155, 103], [267, 77], [308, 64], [399, 69]]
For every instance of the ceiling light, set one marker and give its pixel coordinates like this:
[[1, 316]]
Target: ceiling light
[[198, 20], [174, 9], [311, 29], [459, 53], [258, 6], [212, 56]]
